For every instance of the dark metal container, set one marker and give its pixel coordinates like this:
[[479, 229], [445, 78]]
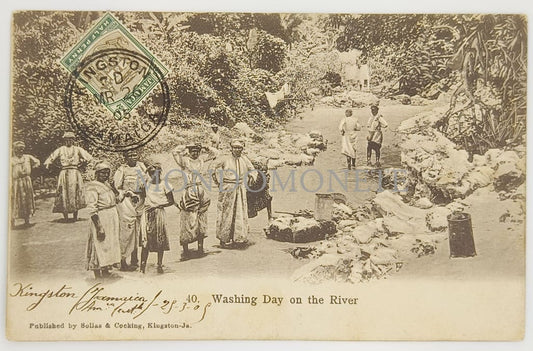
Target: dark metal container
[[461, 237]]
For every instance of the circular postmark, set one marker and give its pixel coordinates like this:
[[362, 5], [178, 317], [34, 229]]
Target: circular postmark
[[103, 99]]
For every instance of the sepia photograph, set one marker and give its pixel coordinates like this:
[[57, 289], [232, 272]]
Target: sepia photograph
[[267, 176]]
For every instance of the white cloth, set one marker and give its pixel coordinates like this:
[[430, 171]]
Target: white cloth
[[275, 98]]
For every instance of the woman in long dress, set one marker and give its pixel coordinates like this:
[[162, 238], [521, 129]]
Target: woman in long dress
[[154, 236], [194, 201], [348, 128], [70, 194], [22, 200], [103, 246], [232, 207]]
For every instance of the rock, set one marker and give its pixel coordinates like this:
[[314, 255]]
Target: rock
[[346, 223], [316, 144], [325, 268], [303, 141], [403, 99], [273, 154], [423, 203], [316, 135], [348, 245], [508, 176], [519, 193], [395, 226], [384, 256], [292, 160], [389, 204], [304, 252], [312, 151], [456, 206], [362, 234], [479, 160], [437, 219], [423, 248], [505, 157], [342, 208], [244, 129], [420, 101], [480, 177], [307, 160], [327, 100], [273, 164], [299, 229]]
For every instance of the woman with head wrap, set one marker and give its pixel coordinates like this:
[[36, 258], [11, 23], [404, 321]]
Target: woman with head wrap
[[127, 180], [194, 201], [153, 219], [70, 195], [230, 174], [103, 247], [22, 200]]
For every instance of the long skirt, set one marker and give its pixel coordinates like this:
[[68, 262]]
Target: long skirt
[[232, 213], [70, 195], [22, 201], [154, 230], [130, 225], [193, 214], [349, 144], [259, 198], [104, 253]]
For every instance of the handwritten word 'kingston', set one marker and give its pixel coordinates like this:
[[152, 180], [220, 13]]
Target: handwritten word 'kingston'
[[27, 291]]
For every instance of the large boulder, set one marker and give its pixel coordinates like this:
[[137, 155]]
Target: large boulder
[[299, 229], [508, 176]]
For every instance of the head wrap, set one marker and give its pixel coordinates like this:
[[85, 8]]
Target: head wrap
[[192, 147], [128, 153], [237, 143], [101, 166], [375, 104], [69, 135], [17, 144], [153, 166]]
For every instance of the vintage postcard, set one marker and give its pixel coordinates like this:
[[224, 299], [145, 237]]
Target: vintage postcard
[[267, 176]]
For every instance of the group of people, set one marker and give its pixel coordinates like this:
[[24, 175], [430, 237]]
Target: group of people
[[349, 128], [127, 210]]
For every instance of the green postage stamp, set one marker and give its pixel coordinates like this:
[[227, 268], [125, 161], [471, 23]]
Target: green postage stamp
[[119, 81]]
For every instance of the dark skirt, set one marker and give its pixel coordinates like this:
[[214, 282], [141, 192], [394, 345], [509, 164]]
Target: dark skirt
[[260, 197], [156, 230]]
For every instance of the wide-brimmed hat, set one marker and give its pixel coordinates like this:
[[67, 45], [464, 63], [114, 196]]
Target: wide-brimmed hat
[[237, 143], [100, 166], [69, 135]]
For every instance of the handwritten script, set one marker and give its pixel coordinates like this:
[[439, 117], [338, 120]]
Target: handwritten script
[[97, 300]]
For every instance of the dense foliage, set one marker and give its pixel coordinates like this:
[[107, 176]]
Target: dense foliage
[[483, 55], [220, 66]]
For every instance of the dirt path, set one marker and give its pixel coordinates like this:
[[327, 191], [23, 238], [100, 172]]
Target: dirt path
[[57, 249]]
